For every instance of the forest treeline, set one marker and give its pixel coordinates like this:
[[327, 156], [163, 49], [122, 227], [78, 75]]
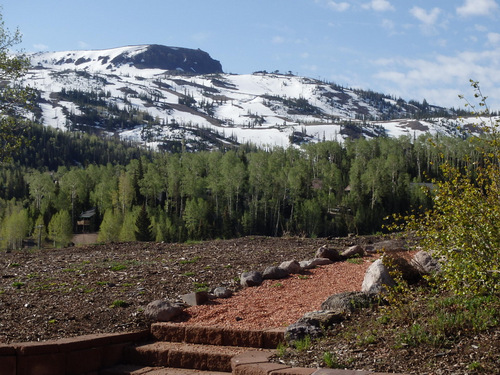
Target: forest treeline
[[322, 189]]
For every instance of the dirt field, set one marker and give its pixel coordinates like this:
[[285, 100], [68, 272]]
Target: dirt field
[[47, 294]]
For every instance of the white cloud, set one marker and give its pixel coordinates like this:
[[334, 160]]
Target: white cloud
[[441, 79], [304, 55], [278, 40], [200, 37], [427, 18], [477, 8], [83, 45], [311, 68], [442, 42], [338, 7], [378, 5], [389, 25], [41, 47], [494, 38]]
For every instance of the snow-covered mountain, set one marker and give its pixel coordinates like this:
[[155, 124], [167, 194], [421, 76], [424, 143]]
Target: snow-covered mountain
[[167, 96]]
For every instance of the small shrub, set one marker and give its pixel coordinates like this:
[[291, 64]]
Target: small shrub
[[118, 267], [17, 284], [355, 260], [189, 261], [366, 338], [475, 366], [200, 287], [119, 303], [331, 361], [281, 349], [303, 344]]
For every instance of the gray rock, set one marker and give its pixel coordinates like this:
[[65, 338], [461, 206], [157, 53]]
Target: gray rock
[[311, 263], [377, 277], [222, 292], [252, 278], [298, 331], [347, 302], [274, 273], [408, 271], [162, 311], [292, 266], [370, 249], [390, 245], [195, 299], [425, 263], [306, 264], [353, 251], [329, 253], [322, 318]]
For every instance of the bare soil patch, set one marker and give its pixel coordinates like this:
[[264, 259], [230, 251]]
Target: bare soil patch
[[50, 294]]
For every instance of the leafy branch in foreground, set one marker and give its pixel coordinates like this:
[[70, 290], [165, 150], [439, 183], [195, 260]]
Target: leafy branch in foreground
[[13, 96], [463, 227]]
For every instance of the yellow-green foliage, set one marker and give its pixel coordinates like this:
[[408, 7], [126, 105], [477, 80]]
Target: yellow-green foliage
[[463, 228]]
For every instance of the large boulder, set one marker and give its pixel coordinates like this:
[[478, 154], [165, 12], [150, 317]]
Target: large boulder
[[329, 253], [291, 266], [275, 273], [409, 273], [312, 324], [377, 277], [311, 263], [222, 292], [322, 318], [347, 302], [298, 331], [425, 263], [353, 251], [252, 278], [390, 246], [162, 311]]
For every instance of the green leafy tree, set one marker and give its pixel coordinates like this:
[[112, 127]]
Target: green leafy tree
[[60, 228], [126, 192], [42, 190], [128, 229], [14, 229], [196, 218], [463, 227], [13, 96], [111, 224]]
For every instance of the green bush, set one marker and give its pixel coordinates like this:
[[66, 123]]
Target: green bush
[[463, 227]]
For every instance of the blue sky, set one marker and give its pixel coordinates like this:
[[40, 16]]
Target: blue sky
[[411, 49]]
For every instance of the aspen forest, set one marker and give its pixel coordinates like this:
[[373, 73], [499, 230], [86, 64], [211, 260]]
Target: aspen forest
[[315, 190]]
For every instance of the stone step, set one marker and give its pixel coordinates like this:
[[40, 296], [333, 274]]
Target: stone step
[[140, 370], [267, 339], [183, 355]]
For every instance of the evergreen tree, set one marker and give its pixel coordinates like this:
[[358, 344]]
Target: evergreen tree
[[144, 230]]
